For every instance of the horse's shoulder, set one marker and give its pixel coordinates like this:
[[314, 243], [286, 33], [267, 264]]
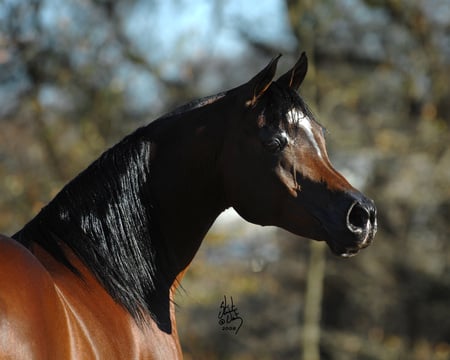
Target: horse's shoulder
[[19, 266], [28, 304], [25, 284]]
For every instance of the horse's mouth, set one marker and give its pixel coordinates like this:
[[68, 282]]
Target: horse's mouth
[[349, 253], [345, 252], [349, 250]]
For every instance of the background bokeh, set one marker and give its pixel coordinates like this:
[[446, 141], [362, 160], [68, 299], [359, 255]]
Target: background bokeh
[[78, 75]]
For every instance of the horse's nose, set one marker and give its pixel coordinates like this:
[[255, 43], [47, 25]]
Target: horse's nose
[[361, 220]]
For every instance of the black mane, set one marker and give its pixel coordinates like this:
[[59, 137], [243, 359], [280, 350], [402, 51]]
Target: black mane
[[195, 104], [105, 217]]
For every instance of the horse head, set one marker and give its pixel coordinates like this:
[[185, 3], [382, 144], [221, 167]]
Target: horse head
[[277, 171]]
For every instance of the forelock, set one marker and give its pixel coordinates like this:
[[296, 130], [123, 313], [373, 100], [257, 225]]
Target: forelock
[[285, 109]]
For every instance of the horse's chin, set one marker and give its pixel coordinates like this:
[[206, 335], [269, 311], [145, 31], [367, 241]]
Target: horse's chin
[[344, 251], [348, 253]]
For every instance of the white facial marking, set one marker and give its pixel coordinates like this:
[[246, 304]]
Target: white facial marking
[[298, 118]]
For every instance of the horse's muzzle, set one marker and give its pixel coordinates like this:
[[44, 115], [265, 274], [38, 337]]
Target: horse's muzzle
[[362, 223]]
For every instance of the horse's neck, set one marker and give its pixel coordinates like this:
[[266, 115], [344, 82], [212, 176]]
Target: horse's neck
[[187, 185]]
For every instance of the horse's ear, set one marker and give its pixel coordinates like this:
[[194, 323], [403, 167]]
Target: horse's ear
[[261, 81], [294, 77]]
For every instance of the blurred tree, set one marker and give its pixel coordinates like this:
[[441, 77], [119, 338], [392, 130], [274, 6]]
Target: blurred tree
[[65, 74]]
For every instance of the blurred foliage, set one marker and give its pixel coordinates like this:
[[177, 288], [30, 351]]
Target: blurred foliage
[[73, 81]]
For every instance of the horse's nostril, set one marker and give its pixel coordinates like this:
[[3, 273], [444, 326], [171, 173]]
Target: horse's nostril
[[357, 217]]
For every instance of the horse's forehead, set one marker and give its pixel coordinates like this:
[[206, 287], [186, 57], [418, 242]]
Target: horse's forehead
[[297, 118]]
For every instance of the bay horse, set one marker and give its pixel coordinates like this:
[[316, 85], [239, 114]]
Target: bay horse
[[93, 275]]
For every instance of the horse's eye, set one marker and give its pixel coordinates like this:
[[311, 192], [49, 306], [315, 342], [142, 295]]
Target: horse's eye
[[276, 143]]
